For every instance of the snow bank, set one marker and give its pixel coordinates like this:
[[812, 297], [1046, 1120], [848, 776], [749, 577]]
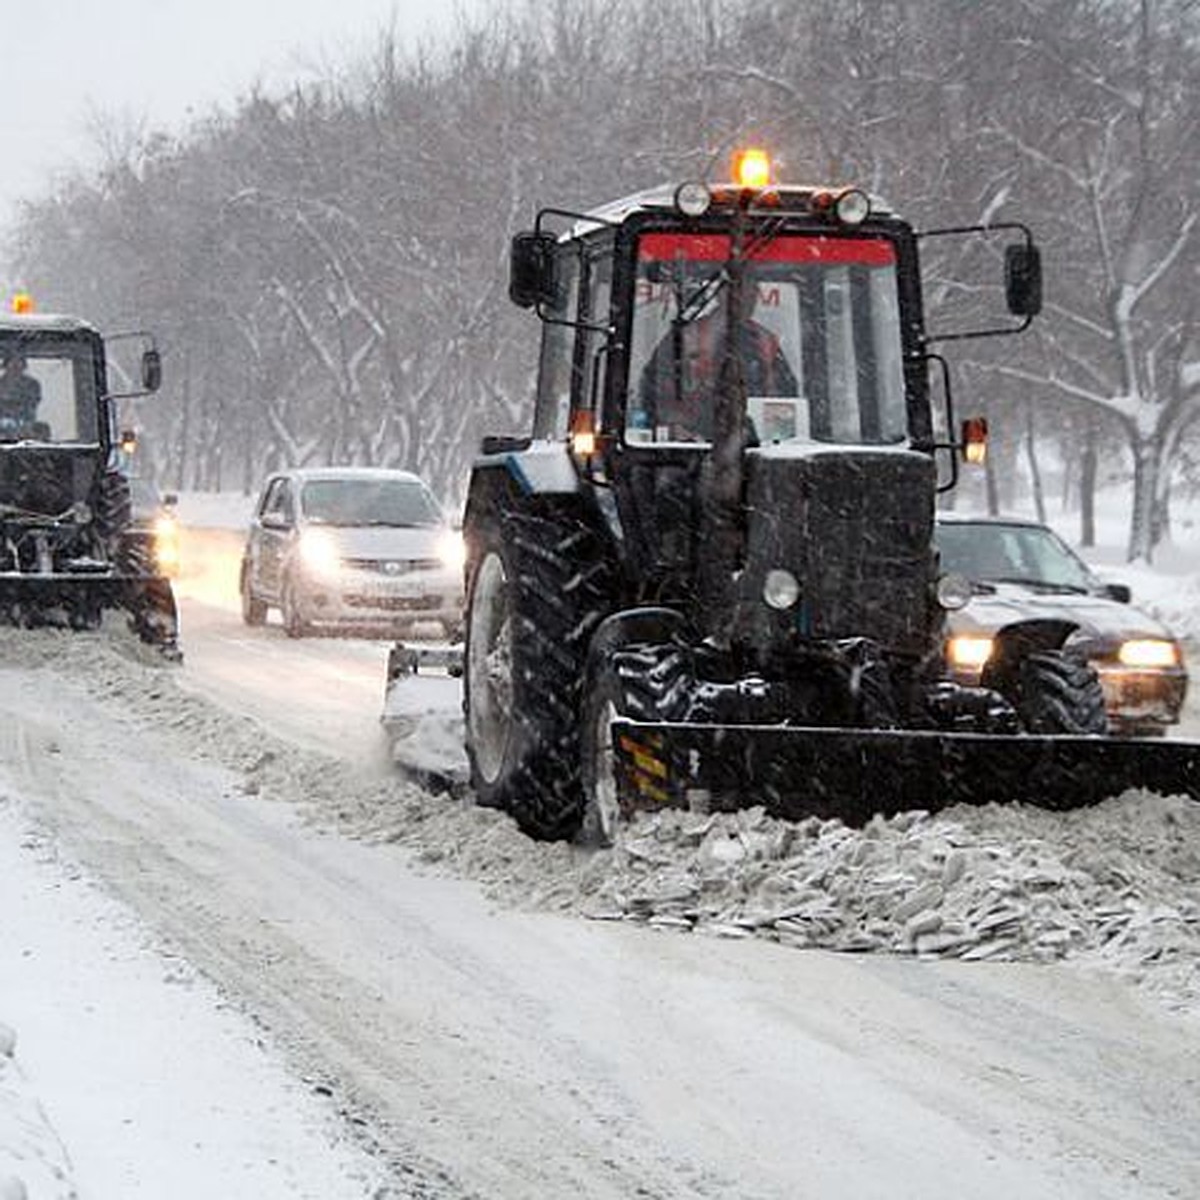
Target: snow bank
[[33, 1162]]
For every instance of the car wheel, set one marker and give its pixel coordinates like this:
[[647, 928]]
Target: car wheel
[[254, 611], [291, 607]]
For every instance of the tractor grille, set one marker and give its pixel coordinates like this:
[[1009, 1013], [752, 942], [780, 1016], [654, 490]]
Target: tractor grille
[[855, 526]]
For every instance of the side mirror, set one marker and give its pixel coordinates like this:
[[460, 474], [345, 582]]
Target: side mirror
[[151, 370], [1023, 279], [531, 274], [1120, 592], [170, 499]]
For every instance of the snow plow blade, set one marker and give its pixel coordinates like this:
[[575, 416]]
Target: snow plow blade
[[405, 659], [854, 774], [422, 715], [76, 600]]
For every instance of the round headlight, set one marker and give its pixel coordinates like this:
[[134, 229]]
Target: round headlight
[[853, 207], [954, 591], [781, 589], [693, 198]]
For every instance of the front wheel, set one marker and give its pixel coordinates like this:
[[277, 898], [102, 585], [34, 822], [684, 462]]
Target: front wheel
[[1060, 694], [642, 681], [295, 624], [254, 611]]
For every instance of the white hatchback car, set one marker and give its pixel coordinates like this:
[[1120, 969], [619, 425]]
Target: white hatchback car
[[352, 549]]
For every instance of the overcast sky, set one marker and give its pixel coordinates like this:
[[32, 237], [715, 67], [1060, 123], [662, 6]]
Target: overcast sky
[[65, 62]]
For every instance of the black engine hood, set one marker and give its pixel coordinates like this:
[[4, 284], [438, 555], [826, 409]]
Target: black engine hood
[[41, 480]]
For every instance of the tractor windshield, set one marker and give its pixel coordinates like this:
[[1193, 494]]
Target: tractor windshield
[[48, 391], [817, 338]]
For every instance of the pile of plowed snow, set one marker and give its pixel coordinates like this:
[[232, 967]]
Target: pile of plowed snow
[[1114, 887]]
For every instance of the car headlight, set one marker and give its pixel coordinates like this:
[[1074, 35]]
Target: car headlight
[[320, 554], [968, 650], [954, 591], [452, 550], [1148, 653], [166, 544]]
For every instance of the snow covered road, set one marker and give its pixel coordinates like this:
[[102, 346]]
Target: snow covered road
[[473, 1046]]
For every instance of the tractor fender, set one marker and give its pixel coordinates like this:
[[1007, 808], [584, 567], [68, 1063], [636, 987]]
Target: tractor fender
[[1017, 641], [538, 476], [654, 624]]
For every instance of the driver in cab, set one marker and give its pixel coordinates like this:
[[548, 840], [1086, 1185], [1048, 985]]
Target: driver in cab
[[678, 385], [20, 396]]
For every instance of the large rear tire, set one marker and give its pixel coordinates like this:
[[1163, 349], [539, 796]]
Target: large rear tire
[[536, 594]]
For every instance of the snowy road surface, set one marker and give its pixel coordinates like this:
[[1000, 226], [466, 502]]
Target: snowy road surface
[[471, 1045]]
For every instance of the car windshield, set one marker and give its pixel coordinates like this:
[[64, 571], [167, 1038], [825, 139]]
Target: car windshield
[[403, 503], [996, 553], [817, 333]]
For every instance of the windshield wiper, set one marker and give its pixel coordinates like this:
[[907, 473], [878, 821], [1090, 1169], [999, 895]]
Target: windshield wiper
[[1045, 584]]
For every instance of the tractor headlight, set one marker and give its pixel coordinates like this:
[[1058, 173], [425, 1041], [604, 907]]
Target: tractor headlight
[[320, 554], [693, 198], [781, 589], [452, 550], [968, 650], [1148, 653], [853, 207]]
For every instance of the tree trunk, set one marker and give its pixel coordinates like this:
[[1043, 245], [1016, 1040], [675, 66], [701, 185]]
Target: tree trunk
[[1145, 485], [1035, 473], [1088, 470]]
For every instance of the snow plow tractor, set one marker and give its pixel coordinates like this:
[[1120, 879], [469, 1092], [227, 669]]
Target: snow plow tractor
[[708, 577], [69, 545]]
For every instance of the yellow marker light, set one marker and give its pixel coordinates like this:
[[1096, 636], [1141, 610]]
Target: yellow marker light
[[583, 435], [752, 168], [968, 650], [975, 440], [22, 302], [1148, 653]]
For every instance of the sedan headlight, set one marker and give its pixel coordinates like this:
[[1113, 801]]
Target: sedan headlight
[[320, 554], [1148, 653], [166, 544], [452, 550], [969, 650]]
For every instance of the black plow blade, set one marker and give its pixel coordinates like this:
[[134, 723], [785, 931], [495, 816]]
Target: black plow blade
[[853, 774]]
